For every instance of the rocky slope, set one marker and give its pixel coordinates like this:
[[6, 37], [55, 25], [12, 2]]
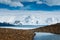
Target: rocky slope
[[13, 34]]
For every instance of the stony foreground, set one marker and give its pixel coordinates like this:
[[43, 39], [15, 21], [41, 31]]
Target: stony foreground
[[14, 34]]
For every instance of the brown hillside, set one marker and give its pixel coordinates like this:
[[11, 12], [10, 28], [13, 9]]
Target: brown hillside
[[55, 28], [13, 34]]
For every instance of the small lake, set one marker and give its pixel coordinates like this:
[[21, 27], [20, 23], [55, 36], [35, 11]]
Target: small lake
[[46, 36]]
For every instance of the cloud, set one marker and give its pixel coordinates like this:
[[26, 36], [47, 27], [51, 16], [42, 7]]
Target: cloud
[[5, 1], [30, 4], [28, 0], [12, 15], [12, 3], [48, 2], [39, 2], [51, 2], [15, 4]]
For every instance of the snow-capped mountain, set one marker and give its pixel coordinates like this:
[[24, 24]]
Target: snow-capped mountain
[[28, 17], [31, 20]]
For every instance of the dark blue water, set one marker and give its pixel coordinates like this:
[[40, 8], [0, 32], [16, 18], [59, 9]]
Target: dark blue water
[[46, 36]]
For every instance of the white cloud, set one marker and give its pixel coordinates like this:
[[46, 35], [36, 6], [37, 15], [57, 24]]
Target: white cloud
[[12, 3], [39, 2], [51, 2], [48, 2], [5, 1], [28, 0], [15, 4]]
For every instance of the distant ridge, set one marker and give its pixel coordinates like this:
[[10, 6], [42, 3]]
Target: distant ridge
[[6, 24]]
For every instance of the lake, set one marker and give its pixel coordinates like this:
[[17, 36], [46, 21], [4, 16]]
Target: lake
[[23, 26], [46, 36]]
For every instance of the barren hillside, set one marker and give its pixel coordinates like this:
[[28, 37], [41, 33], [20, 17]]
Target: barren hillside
[[14, 34]]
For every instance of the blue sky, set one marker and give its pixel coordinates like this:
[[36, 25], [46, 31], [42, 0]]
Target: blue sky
[[44, 5], [43, 8]]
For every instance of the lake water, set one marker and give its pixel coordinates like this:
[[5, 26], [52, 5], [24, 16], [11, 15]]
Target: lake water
[[46, 36], [23, 26]]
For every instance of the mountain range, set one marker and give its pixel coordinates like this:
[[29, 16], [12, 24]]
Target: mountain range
[[6, 24]]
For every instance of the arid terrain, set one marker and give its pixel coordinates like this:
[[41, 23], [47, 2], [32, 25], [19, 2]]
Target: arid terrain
[[14, 34]]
